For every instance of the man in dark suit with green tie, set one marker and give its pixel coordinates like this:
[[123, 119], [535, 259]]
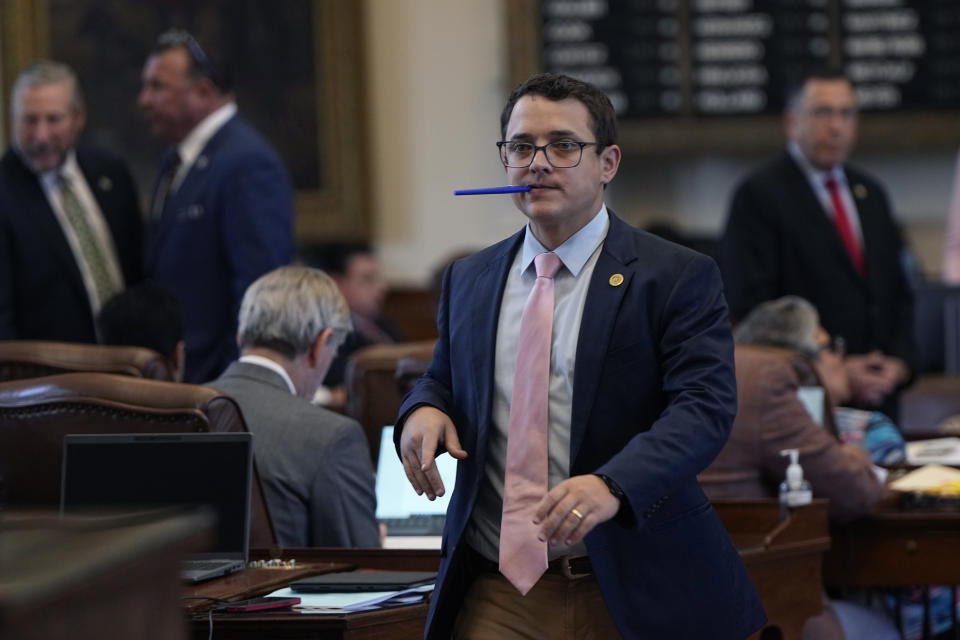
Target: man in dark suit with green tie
[[70, 228]]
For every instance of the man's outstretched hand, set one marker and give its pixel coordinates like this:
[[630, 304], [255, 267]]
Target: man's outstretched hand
[[424, 431]]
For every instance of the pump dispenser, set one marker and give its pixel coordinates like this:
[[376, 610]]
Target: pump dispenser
[[794, 490]]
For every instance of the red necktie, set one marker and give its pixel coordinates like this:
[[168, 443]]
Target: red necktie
[[523, 558], [842, 221]]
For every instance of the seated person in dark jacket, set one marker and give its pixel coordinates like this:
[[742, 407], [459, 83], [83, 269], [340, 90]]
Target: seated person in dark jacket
[[356, 270], [781, 348], [145, 316]]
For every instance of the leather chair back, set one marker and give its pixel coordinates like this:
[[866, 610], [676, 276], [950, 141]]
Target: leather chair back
[[36, 413], [33, 358], [377, 378]]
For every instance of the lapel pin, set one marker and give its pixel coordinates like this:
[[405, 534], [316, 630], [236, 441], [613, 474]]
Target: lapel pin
[[105, 183], [616, 280], [860, 191], [202, 162]]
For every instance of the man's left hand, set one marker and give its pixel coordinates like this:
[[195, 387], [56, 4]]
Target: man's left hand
[[557, 513]]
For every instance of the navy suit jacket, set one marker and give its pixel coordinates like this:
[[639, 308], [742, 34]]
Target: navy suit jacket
[[42, 295], [653, 402], [779, 241], [229, 222]]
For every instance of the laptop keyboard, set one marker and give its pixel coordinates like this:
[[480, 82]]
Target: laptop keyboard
[[204, 565], [424, 525]]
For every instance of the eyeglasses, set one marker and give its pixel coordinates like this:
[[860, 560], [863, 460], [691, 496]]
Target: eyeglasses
[[836, 345], [829, 113], [563, 154]]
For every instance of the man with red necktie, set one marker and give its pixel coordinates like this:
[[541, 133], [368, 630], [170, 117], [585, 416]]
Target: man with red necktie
[[809, 224], [582, 378]]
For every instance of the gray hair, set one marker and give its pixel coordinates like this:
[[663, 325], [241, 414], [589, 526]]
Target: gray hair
[[789, 322], [44, 72], [286, 309]]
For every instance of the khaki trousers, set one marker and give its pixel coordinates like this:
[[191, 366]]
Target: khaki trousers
[[556, 608]]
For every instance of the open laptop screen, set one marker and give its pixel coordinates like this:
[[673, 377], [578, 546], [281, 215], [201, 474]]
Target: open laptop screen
[[395, 497], [145, 471]]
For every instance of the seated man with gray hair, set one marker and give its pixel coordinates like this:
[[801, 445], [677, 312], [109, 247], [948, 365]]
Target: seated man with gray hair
[[315, 464], [781, 348]]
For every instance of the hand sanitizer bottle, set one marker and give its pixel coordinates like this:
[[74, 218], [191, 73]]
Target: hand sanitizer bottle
[[794, 490]]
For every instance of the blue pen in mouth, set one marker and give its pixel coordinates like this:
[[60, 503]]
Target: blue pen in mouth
[[491, 190]]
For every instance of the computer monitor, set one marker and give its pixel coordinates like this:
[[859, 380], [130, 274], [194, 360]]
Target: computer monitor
[[145, 471], [396, 499]]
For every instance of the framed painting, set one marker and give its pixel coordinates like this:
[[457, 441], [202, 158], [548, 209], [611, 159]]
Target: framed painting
[[298, 70]]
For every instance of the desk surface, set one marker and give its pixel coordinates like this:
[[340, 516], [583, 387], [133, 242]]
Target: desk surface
[[783, 561], [251, 583], [397, 623]]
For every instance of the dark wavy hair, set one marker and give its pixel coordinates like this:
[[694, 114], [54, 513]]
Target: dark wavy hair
[[556, 87]]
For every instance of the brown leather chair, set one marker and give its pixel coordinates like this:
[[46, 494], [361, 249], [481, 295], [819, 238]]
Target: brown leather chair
[[36, 413], [33, 358], [375, 385]]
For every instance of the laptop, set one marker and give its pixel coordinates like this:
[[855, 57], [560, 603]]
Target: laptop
[[354, 581], [147, 471], [398, 506]]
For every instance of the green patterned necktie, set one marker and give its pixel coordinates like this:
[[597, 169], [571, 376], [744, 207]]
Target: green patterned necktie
[[90, 249]]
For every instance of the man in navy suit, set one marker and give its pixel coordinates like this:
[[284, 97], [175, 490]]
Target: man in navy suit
[[785, 237], [70, 228], [222, 209], [641, 398]]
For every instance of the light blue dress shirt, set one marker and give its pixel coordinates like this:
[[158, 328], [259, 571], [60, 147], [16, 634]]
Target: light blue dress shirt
[[579, 256]]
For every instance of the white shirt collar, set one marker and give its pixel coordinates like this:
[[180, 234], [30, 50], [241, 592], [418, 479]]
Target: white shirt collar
[[191, 146], [818, 176], [576, 250], [70, 170], [274, 366]]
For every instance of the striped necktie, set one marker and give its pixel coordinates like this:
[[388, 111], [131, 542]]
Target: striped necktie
[[91, 250]]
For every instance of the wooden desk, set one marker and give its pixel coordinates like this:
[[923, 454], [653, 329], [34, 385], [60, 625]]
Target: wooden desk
[[395, 623], [251, 583], [895, 548], [399, 623], [783, 559]]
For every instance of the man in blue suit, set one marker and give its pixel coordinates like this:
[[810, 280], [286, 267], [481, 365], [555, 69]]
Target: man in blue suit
[[641, 398], [222, 209]]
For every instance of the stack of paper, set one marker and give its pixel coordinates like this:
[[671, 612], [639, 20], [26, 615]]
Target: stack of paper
[[928, 477], [938, 451], [355, 601]]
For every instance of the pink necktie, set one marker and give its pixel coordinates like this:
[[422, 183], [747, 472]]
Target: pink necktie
[[842, 221], [523, 558]]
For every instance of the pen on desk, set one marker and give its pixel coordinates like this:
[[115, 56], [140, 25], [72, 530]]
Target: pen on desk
[[477, 192]]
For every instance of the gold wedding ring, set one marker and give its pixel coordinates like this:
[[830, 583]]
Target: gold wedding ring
[[577, 513]]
